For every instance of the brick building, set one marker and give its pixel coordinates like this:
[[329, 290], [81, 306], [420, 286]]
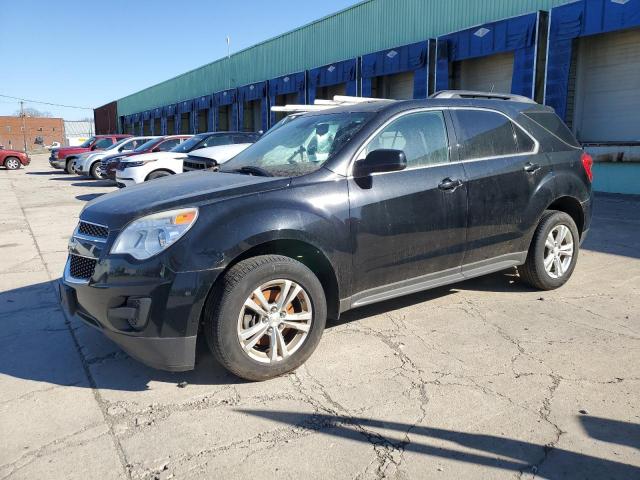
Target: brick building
[[39, 131]]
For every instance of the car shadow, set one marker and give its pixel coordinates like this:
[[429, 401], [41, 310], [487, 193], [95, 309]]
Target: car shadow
[[52, 172], [94, 183], [39, 343], [502, 282], [498, 452], [34, 357], [87, 197]]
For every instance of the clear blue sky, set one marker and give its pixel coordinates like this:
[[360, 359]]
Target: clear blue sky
[[91, 52]]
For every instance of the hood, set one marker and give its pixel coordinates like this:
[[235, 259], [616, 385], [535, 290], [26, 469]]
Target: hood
[[220, 153], [160, 156], [13, 152], [184, 190], [64, 151]]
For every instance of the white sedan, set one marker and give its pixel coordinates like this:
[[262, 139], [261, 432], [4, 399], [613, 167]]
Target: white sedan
[[88, 163], [150, 166]]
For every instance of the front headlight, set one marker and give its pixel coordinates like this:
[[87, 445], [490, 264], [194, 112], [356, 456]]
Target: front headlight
[[145, 237], [138, 163]]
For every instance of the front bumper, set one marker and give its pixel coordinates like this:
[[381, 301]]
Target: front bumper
[[169, 315], [57, 163]]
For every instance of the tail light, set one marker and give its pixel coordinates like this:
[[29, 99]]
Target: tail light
[[587, 163]]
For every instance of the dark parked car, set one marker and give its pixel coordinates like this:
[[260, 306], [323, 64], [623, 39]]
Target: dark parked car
[[334, 210], [109, 164]]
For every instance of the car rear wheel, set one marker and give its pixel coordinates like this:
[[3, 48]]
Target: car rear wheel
[[158, 174], [95, 171], [12, 163], [266, 317], [553, 252]]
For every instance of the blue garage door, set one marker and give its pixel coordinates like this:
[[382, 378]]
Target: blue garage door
[[338, 78], [286, 90], [593, 68], [226, 114], [498, 56], [253, 105], [399, 73]]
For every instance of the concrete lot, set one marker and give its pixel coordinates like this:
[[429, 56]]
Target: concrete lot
[[485, 379]]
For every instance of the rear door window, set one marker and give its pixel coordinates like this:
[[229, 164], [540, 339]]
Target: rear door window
[[484, 134], [421, 136]]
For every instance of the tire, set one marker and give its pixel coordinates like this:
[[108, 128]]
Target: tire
[[12, 163], [94, 170], [226, 314], [68, 164], [158, 174], [534, 271]]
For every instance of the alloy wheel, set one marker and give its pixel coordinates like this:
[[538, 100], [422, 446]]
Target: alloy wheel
[[12, 164], [274, 321], [558, 251]]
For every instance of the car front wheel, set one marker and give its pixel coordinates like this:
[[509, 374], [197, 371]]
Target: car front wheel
[[553, 252], [266, 317], [69, 166], [95, 171], [12, 163]]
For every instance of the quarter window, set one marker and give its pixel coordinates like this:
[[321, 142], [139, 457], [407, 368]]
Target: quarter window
[[483, 134], [421, 136]]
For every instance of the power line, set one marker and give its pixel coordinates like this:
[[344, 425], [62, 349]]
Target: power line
[[46, 103]]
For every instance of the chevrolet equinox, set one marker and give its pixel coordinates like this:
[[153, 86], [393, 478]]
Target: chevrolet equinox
[[336, 209]]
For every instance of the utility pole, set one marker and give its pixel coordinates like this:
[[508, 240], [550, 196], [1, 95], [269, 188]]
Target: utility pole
[[24, 126]]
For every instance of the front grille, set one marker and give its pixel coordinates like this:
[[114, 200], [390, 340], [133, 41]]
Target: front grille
[[93, 230], [81, 267], [187, 165]]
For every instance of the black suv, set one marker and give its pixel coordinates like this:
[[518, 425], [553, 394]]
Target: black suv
[[336, 209]]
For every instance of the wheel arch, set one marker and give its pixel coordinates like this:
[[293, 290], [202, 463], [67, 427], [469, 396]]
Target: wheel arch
[[572, 207], [306, 253], [158, 170]]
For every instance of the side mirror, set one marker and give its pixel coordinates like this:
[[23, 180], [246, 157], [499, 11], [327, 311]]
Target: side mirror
[[93, 147], [384, 160]]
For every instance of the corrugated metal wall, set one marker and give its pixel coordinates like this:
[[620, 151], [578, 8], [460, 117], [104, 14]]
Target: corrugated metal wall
[[366, 27]]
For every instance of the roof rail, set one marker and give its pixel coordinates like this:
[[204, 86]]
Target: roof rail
[[483, 95]]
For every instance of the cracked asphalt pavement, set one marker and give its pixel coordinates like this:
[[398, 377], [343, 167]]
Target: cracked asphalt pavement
[[483, 379]]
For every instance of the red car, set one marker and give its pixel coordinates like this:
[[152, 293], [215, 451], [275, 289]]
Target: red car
[[13, 159], [161, 144], [63, 157]]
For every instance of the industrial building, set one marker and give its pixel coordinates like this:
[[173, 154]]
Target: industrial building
[[580, 57]]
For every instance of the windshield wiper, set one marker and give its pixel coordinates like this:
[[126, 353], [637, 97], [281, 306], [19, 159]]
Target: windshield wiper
[[251, 170]]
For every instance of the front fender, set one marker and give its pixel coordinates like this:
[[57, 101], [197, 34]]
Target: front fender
[[316, 213]]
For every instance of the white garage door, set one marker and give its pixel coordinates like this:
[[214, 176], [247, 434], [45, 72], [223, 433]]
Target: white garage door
[[397, 87], [608, 88], [486, 74]]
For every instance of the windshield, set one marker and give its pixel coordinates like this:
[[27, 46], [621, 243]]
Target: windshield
[[148, 145], [87, 143], [300, 146], [189, 145], [118, 143]]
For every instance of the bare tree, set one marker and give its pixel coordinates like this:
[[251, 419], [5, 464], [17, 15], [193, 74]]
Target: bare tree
[[33, 112]]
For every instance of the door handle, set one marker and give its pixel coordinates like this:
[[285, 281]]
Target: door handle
[[531, 167], [448, 184]]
